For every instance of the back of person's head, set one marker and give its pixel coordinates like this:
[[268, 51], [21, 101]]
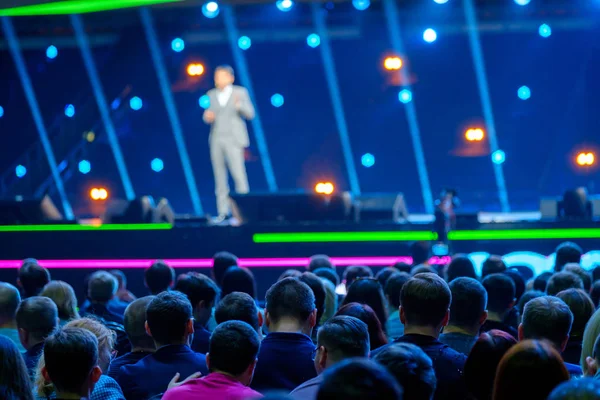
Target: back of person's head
[[492, 265], [106, 338], [120, 277], [331, 301], [529, 370], [469, 302], [585, 276], [63, 295], [32, 277], [527, 297], [238, 306], [315, 283], [169, 317], [549, 318], [135, 323], [595, 293], [501, 292], [563, 281], [482, 362], [238, 279], [290, 299], [71, 360], [340, 338], [596, 273], [582, 308], [420, 252], [394, 286], [358, 379], [591, 332], [366, 314], [368, 291], [422, 269], [37, 318], [411, 367], [425, 301], [329, 274], [14, 377], [102, 287], [9, 302], [577, 389], [567, 252], [354, 272], [233, 349], [221, 262], [320, 261], [460, 266], [159, 277], [541, 281], [518, 281], [198, 288], [384, 274], [289, 273], [402, 266]]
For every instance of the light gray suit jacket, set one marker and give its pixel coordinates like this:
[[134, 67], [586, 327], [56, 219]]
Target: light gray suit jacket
[[230, 124]]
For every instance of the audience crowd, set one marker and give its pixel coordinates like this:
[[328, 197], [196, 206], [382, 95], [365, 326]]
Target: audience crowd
[[408, 332]]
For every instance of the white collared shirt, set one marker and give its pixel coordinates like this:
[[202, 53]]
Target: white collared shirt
[[224, 95]]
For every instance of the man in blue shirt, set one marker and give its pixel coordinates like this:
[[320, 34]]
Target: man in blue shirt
[[102, 288]]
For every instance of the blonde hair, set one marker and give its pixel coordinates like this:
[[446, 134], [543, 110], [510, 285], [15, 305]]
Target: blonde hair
[[63, 295], [331, 301], [106, 341], [591, 332]]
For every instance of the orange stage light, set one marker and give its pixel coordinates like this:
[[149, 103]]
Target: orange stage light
[[195, 69], [474, 134], [392, 63], [324, 188], [586, 159], [97, 194]]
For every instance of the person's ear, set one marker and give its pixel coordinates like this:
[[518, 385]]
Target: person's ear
[[446, 318], [313, 318], [521, 334], [208, 361], [512, 303], [19, 284], [323, 358], [483, 317], [592, 366], [95, 374], [563, 344], [190, 326], [23, 336], [46, 376], [147, 328], [267, 318], [402, 315], [260, 319]]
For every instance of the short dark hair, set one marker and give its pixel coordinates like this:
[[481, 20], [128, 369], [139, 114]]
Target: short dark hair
[[547, 317], [135, 321], [492, 265], [366, 314], [368, 291], [102, 286], [567, 252], [425, 299], [393, 287], [358, 379], [354, 272], [289, 273], [227, 68], [328, 274], [237, 306], [527, 297], [344, 337], [120, 276], [238, 279], [562, 281], [582, 308], [469, 301], [411, 367], [402, 266], [576, 389], [541, 281], [290, 298], [38, 316], [33, 277], [384, 274], [197, 288], [9, 301], [159, 277], [233, 347], [221, 261], [420, 252], [70, 355], [518, 280], [460, 266], [316, 284], [320, 261], [423, 269], [167, 315], [585, 276], [501, 292]]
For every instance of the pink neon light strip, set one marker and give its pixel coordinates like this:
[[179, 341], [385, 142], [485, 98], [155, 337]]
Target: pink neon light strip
[[207, 262]]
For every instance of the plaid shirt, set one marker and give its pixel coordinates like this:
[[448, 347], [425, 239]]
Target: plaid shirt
[[106, 389]]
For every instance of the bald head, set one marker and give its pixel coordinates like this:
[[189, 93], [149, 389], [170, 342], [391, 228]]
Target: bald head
[[9, 302], [135, 319]]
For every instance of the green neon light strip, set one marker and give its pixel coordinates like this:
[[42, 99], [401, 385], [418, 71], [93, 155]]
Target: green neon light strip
[[77, 7], [524, 234], [107, 227], [324, 237]]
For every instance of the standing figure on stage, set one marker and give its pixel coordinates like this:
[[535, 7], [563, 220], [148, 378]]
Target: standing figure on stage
[[230, 106]]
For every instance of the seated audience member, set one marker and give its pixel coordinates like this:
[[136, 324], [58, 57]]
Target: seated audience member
[[420, 253], [424, 310], [285, 357], [527, 296], [518, 281], [549, 318], [331, 301], [593, 362], [585, 276], [71, 363], [135, 327], [221, 262], [579, 389], [315, 283], [32, 278], [501, 299], [541, 281], [595, 293], [290, 273], [339, 339], [159, 278], [169, 321], [384, 274], [529, 370], [102, 287], [354, 272], [423, 269], [37, 318], [366, 314], [460, 266], [63, 295], [368, 291], [238, 279], [202, 293], [483, 360], [231, 362], [14, 379], [567, 252], [582, 308], [596, 273], [467, 314], [492, 265], [9, 302], [393, 327], [358, 379], [412, 368], [123, 294], [320, 261], [591, 332], [402, 267], [238, 306], [328, 274], [562, 281]]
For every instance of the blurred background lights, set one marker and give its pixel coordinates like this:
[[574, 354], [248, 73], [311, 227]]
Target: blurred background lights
[[498, 157], [51, 52], [89, 136], [367, 160], [20, 171], [1, 111], [313, 40], [392, 63], [441, 1], [361, 5], [284, 5], [244, 43], [135, 103], [324, 188], [277, 100], [474, 134], [524, 93], [405, 96], [430, 35], [204, 101], [70, 110], [210, 9], [97, 194], [178, 45], [157, 165], [522, 2], [586, 159], [195, 69], [84, 166], [545, 30]]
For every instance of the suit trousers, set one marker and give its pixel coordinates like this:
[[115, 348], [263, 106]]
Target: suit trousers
[[225, 154]]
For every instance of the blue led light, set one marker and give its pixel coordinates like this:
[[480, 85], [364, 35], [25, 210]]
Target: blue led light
[[441, 1], [244, 43], [84, 166], [178, 45], [1, 111], [545, 30], [277, 100], [524, 93], [51, 52], [20, 171], [70, 110], [361, 5], [405, 96], [498, 157], [210, 9], [284, 5], [157, 165], [135, 103], [204, 101], [430, 35], [313, 40], [522, 2], [367, 160]]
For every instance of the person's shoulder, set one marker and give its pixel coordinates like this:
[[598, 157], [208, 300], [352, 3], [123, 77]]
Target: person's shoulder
[[316, 381], [107, 389], [240, 89]]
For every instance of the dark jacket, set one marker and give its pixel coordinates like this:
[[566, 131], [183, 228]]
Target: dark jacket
[[104, 312], [126, 359], [201, 339], [489, 325]]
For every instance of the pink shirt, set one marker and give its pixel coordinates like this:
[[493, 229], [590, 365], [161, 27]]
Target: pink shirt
[[212, 386]]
